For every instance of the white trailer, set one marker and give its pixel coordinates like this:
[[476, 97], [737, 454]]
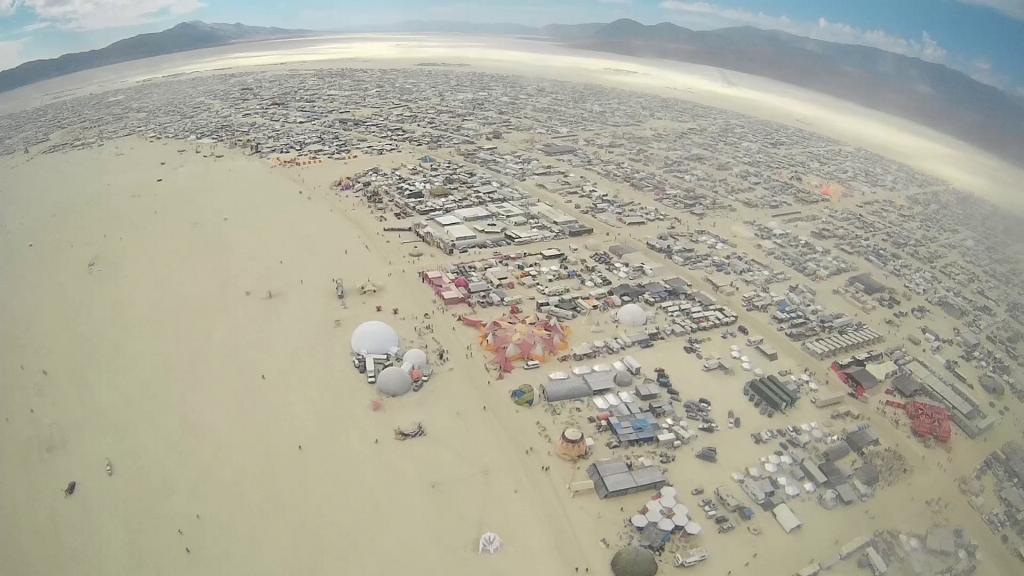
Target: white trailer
[[632, 366]]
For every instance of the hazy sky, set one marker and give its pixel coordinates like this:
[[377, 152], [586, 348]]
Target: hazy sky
[[984, 38]]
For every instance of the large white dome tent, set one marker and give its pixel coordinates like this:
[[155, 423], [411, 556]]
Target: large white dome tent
[[393, 381], [631, 315], [374, 337]]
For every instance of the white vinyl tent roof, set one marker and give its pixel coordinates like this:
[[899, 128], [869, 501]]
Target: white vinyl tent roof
[[415, 358], [374, 337], [393, 381], [786, 518], [631, 315]]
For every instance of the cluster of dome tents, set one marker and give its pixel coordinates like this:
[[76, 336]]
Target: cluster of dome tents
[[376, 338]]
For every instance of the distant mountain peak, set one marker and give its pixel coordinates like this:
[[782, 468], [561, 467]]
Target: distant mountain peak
[[189, 35], [925, 92]]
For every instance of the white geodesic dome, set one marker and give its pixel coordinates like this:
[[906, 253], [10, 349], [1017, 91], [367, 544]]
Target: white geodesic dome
[[631, 315], [374, 337], [414, 358], [393, 381]]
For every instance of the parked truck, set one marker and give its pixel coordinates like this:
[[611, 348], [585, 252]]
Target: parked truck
[[727, 499], [691, 557], [632, 365], [827, 398]]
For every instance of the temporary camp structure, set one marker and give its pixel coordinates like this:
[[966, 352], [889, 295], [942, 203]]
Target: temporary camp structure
[[631, 315], [569, 389], [415, 358], [785, 517], [634, 561], [511, 338], [524, 395], [393, 381], [571, 445], [623, 379], [490, 543], [374, 337]]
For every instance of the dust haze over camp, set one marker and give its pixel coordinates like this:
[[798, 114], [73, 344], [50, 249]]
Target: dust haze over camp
[[446, 297]]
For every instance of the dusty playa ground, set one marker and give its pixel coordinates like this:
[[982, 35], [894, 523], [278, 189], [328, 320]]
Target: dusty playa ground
[[188, 331], [171, 307]]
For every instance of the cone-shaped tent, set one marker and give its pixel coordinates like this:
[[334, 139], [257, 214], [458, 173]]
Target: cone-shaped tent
[[511, 338]]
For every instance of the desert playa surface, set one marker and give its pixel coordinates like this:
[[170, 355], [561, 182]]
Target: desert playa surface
[[170, 307], [188, 330]]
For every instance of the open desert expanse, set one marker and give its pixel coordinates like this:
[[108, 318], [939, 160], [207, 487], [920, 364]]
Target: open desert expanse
[[188, 331]]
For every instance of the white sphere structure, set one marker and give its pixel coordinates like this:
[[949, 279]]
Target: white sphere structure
[[393, 381], [414, 358], [374, 337], [631, 315]]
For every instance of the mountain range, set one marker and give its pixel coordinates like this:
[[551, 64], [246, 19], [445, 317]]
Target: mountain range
[[185, 36], [924, 92]]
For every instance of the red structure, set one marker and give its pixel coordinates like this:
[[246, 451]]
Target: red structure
[[926, 420], [511, 337], [450, 292], [844, 377]]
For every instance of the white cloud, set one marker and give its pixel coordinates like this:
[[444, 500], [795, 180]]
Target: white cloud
[[925, 48], [36, 26], [11, 53], [98, 14], [1012, 8], [7, 7], [729, 15]]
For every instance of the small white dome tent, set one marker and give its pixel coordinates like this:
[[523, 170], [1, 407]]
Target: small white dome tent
[[414, 358]]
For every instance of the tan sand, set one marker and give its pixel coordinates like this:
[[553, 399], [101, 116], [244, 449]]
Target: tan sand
[[136, 327]]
